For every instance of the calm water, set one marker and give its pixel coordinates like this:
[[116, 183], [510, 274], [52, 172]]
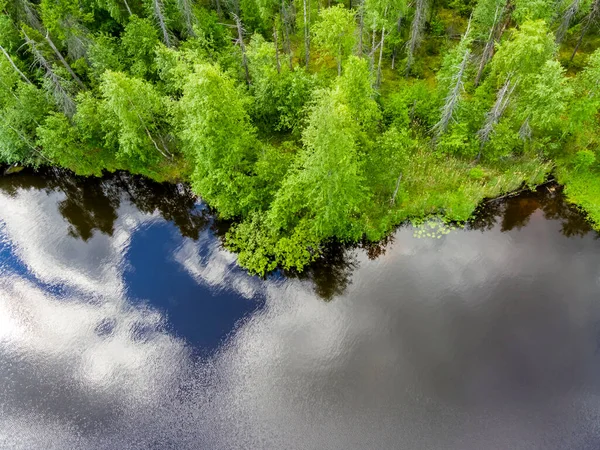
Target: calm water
[[124, 325]]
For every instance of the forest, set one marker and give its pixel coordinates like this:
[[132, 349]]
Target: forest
[[303, 122]]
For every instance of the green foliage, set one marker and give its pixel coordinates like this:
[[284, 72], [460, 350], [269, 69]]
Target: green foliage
[[216, 133], [61, 144], [584, 159], [533, 10], [334, 33], [20, 116], [525, 53], [279, 96], [294, 155], [355, 90], [134, 112], [255, 244], [137, 44], [327, 185], [477, 173]]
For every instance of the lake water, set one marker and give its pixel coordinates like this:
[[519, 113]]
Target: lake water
[[125, 325]]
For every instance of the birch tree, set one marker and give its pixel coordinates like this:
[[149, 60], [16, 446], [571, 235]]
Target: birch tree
[[135, 112], [334, 33], [217, 134]]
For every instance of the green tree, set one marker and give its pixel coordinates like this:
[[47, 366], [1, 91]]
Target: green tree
[[217, 135], [138, 116], [138, 44], [323, 196], [334, 33]]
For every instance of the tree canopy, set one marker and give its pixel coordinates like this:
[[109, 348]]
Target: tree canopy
[[305, 122]]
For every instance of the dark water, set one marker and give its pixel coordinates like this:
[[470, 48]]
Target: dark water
[[124, 325]]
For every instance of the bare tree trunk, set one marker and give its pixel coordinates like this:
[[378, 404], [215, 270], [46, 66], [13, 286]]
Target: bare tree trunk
[[306, 33], [160, 18], [568, 16], [12, 63], [30, 13], [378, 82], [286, 33], [62, 97], [393, 199], [493, 116], [416, 32], [185, 9], [276, 46], [398, 25], [488, 49], [452, 99], [372, 52], [240, 31], [128, 8], [496, 33], [590, 18], [64, 62], [361, 28], [457, 88]]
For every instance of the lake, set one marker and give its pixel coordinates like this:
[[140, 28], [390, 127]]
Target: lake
[[124, 324]]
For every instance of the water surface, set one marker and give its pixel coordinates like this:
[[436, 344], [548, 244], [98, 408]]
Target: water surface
[[125, 325]]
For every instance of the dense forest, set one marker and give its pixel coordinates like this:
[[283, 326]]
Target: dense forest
[[307, 121]]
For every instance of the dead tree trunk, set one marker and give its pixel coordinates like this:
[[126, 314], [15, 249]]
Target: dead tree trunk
[[240, 41], [62, 97], [456, 89], [395, 51], [157, 9], [453, 97], [185, 9], [378, 82], [64, 62], [12, 63], [493, 116], [276, 46], [306, 32], [567, 17], [128, 8], [416, 32], [589, 20]]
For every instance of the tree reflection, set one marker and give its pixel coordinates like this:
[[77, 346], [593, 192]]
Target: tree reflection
[[175, 202], [331, 273], [92, 203], [515, 212]]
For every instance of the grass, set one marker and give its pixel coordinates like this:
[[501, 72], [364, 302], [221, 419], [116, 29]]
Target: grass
[[451, 187], [582, 188]]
